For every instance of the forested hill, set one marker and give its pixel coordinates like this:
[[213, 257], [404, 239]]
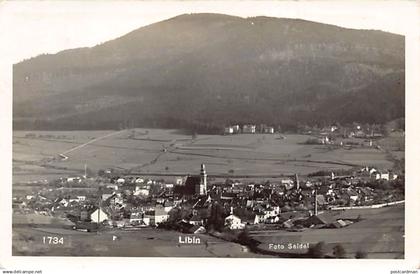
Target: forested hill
[[208, 70]]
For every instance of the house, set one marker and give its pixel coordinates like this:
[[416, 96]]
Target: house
[[73, 199], [287, 183], [288, 223], [141, 191], [63, 202], [366, 194], [324, 219], [160, 215], [107, 193], [81, 198], [84, 215], [235, 128], [116, 200], [196, 220], [320, 199], [353, 195], [98, 216], [234, 222], [138, 218], [249, 219], [338, 224], [179, 181], [139, 181], [272, 220], [378, 175], [248, 128], [228, 130], [323, 140], [269, 130], [120, 181], [168, 205], [73, 179], [112, 186], [259, 218]]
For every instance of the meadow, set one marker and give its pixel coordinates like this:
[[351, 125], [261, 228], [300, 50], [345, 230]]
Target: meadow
[[380, 234], [36, 154]]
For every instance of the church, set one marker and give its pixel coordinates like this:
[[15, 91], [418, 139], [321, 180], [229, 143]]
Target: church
[[194, 185]]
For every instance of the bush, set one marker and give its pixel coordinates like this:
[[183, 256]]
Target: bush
[[317, 251], [360, 255], [339, 251]]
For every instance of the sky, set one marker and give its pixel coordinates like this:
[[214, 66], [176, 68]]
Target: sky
[[36, 27]]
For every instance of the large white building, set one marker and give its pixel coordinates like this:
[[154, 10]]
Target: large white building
[[248, 129]]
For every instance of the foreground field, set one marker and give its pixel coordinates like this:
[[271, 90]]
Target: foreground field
[[380, 235], [36, 154], [28, 241]]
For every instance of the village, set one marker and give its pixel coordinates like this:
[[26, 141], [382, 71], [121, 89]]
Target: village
[[225, 206], [198, 204]]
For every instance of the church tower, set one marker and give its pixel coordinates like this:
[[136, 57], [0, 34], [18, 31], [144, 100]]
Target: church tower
[[203, 181]]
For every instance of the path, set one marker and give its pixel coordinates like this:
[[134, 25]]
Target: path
[[91, 141], [63, 154]]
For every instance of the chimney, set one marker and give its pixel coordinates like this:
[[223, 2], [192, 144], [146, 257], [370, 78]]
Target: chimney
[[316, 203]]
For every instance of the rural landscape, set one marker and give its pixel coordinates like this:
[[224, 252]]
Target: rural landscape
[[208, 135]]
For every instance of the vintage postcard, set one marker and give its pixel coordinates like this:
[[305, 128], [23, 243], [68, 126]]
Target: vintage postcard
[[211, 129]]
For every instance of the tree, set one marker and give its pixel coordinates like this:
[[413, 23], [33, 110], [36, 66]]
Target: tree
[[245, 239], [216, 220], [317, 251], [339, 251]]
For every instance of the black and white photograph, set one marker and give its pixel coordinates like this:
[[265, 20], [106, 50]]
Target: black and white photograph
[[209, 129]]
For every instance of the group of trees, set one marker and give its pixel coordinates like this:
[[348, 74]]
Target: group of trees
[[320, 250]]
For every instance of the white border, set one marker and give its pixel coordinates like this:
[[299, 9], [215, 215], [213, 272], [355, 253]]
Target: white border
[[410, 16]]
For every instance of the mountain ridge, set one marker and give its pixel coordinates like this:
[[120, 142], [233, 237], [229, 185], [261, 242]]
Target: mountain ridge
[[206, 75]]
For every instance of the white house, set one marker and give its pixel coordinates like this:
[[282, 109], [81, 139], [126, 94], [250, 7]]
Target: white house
[[381, 175], [235, 128], [269, 130], [228, 130], [234, 222], [259, 218], [105, 196], [139, 181], [112, 186], [141, 191], [64, 202], [137, 218], [98, 216], [178, 181], [248, 129], [160, 215]]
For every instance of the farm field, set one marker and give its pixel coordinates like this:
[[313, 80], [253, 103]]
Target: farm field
[[36, 153], [380, 234]]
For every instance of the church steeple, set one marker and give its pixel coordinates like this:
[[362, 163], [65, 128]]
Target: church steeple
[[203, 183]]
